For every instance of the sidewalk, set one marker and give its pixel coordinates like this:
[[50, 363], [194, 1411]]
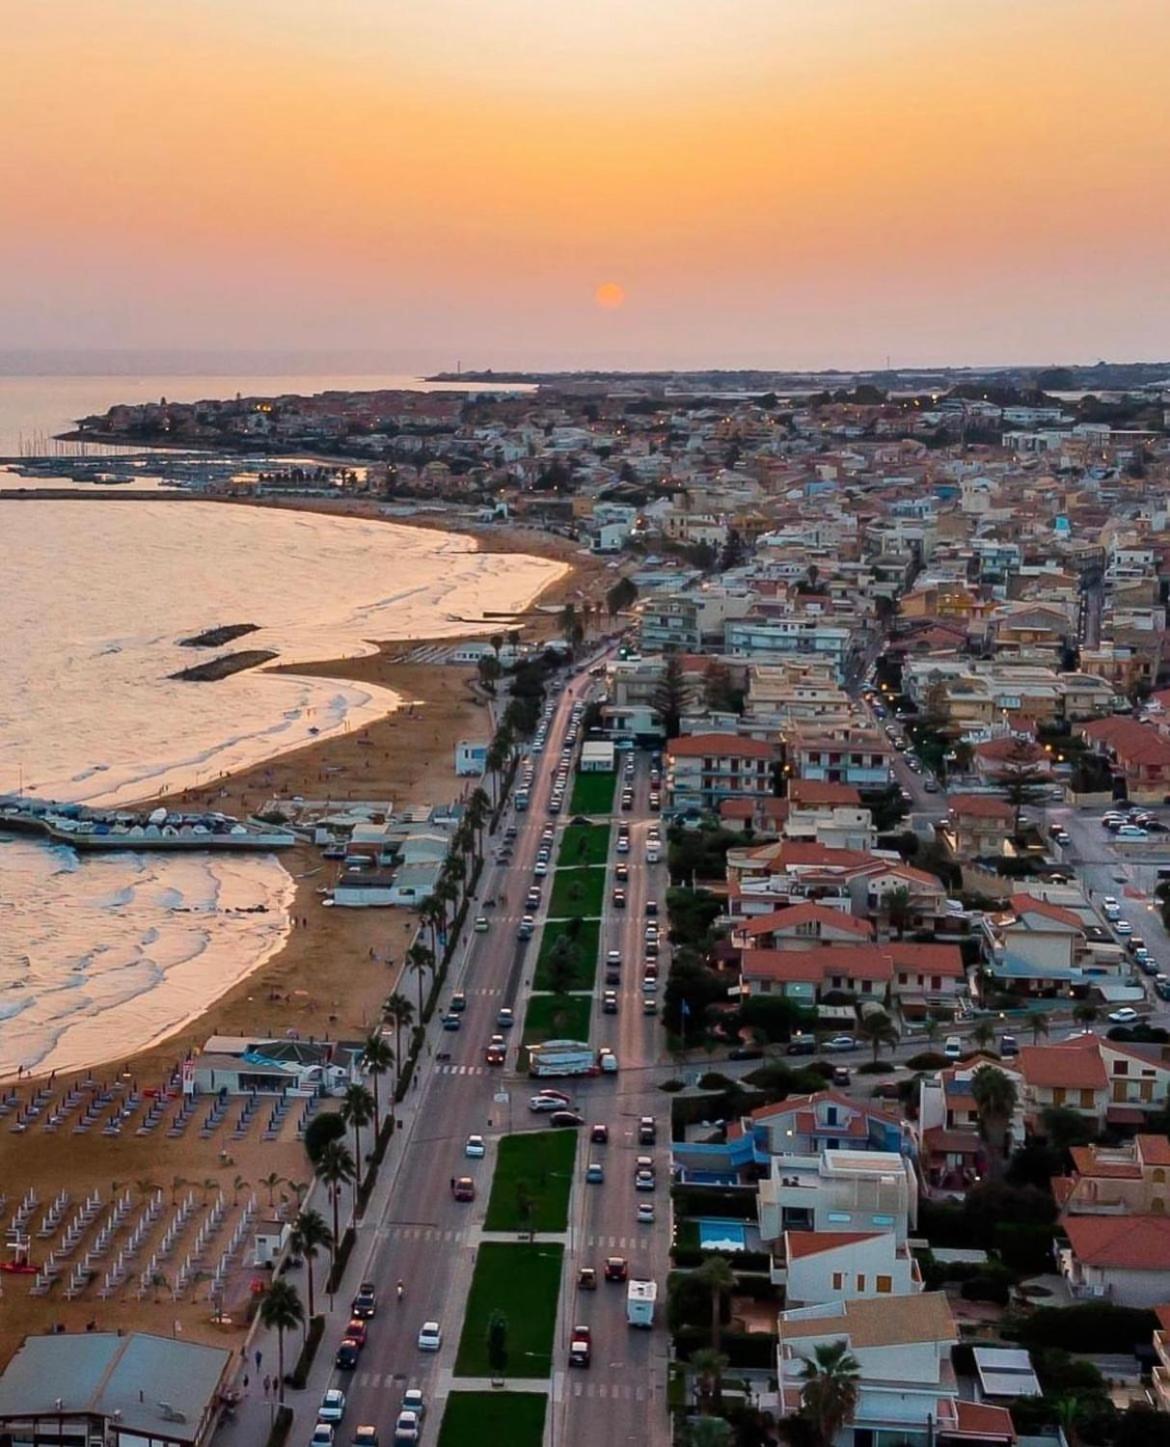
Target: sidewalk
[[252, 1419]]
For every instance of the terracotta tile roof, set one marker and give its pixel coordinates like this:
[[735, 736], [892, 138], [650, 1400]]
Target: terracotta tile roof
[[792, 852], [981, 806], [736, 809], [886, 1321], [1163, 1315], [797, 1103], [1028, 904], [859, 962], [1131, 741], [811, 792], [798, 914], [957, 1142], [1122, 1243], [1070, 1064], [718, 746], [1088, 1163], [799, 1244], [1022, 752], [980, 1419], [1154, 1149], [790, 967], [931, 959]]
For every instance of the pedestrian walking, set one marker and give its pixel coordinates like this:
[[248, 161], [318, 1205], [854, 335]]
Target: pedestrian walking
[[259, 1358], [245, 1381], [267, 1385]]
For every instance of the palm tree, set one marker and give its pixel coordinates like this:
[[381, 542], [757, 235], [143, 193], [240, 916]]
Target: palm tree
[[899, 909], [879, 1030], [983, 1034], [717, 1276], [476, 814], [1039, 1024], [271, 1180], [497, 757], [377, 1058], [994, 1094], [708, 1431], [400, 1012], [357, 1110], [930, 1030], [280, 1310], [432, 915], [335, 1167], [709, 1366], [310, 1233], [1085, 1012], [237, 1186], [420, 960], [455, 867], [828, 1398]]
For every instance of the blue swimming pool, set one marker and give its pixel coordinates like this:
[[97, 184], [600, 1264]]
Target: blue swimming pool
[[720, 1235]]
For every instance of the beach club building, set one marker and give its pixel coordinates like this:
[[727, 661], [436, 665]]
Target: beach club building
[[77, 1389], [242, 1065]]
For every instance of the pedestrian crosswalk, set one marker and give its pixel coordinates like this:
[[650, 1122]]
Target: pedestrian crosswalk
[[419, 1233], [618, 1243], [449, 1069], [613, 1391]]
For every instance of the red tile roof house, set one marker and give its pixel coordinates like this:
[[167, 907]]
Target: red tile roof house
[[979, 825], [1121, 1259], [1140, 754], [1111, 1081], [801, 926], [704, 769], [999, 759], [804, 975]]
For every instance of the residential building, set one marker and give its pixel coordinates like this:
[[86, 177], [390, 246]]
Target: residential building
[[771, 639], [839, 1190], [907, 1388], [979, 826], [828, 814], [470, 757], [1139, 753], [703, 769], [818, 1267], [860, 757], [1121, 1259], [1126, 1179]]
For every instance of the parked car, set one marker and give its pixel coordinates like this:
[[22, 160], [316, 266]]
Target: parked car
[[1125, 1016], [953, 1047], [1009, 1047], [412, 1401], [839, 1044], [332, 1407], [566, 1118], [802, 1045]]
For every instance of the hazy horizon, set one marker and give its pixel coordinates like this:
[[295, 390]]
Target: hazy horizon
[[677, 184]]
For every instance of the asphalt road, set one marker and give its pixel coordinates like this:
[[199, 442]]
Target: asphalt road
[[428, 1240]]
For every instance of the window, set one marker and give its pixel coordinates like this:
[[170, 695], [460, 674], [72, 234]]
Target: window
[[838, 1280], [883, 1220], [839, 1218], [1121, 1067], [902, 978], [884, 1285], [1086, 1100], [861, 1281]]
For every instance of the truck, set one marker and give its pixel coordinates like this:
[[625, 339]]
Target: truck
[[640, 1299], [569, 1057]]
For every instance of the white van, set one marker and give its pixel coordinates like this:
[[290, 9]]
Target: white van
[[953, 1047]]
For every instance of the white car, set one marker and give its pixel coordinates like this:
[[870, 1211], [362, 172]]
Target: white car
[[839, 1043], [545, 1103], [645, 1213], [1124, 1016], [323, 1435], [475, 1147], [406, 1427], [953, 1047], [332, 1407], [412, 1401], [652, 856], [1123, 927], [430, 1338]]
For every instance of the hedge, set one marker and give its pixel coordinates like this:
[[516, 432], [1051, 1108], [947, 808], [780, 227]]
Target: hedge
[[691, 1256], [281, 1424], [715, 1201], [300, 1373], [742, 1349], [1091, 1326], [340, 1260]]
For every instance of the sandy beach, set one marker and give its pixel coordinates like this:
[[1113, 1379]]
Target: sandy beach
[[330, 976]]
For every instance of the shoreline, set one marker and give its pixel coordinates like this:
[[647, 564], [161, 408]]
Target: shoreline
[[334, 766]]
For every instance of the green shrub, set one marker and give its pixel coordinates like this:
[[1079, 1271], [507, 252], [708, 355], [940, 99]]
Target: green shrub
[[742, 1349], [1025, 1246], [300, 1373], [927, 1061], [281, 1423], [986, 1288], [1091, 1326], [323, 1128], [876, 1067], [739, 1205]]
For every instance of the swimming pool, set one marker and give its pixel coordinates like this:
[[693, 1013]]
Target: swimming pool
[[719, 1235]]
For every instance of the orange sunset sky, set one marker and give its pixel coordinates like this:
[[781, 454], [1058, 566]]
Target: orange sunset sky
[[574, 182]]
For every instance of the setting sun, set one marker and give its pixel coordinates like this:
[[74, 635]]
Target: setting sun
[[610, 295]]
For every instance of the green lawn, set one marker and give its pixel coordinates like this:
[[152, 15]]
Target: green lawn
[[588, 941], [493, 1419], [557, 1017], [577, 892], [593, 794], [522, 1281], [543, 1160], [584, 844]]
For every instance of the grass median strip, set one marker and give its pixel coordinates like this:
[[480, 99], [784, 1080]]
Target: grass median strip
[[583, 844], [522, 1281], [493, 1419], [557, 1017], [593, 794], [579, 955], [534, 1166], [577, 892]]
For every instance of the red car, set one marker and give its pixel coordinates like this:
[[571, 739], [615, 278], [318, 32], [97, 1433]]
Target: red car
[[357, 1331], [463, 1189], [616, 1268]]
